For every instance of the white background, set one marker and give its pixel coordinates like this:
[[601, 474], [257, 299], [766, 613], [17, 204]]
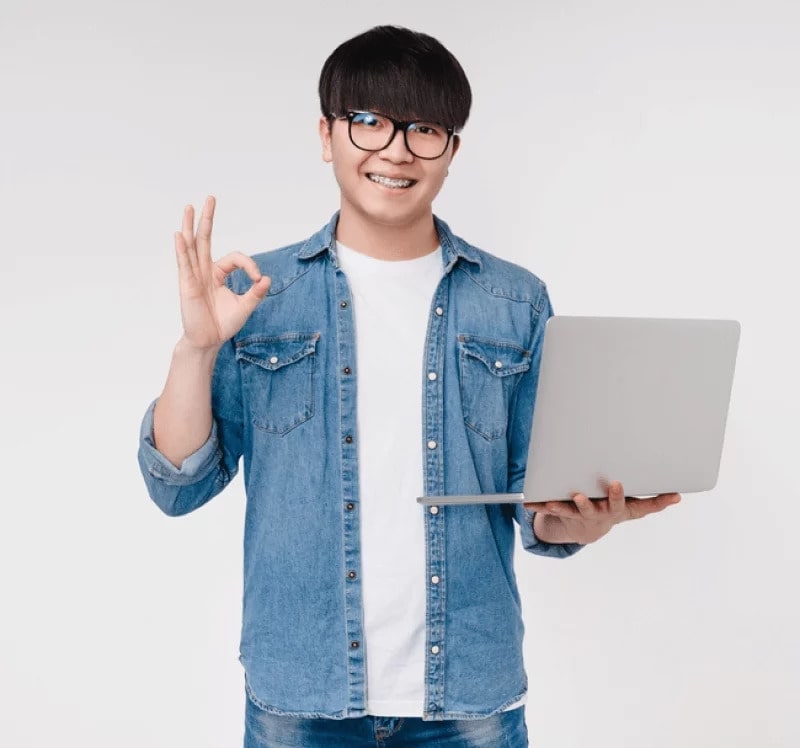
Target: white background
[[641, 157]]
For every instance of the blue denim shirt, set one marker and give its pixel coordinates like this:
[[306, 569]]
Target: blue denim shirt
[[284, 399]]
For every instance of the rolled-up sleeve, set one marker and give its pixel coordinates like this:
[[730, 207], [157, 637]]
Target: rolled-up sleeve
[[204, 473], [193, 468]]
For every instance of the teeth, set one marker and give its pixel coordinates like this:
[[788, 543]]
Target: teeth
[[387, 182]]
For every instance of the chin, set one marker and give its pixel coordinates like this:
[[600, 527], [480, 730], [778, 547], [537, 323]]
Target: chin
[[393, 218], [394, 215]]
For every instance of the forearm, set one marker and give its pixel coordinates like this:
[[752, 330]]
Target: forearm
[[182, 417]]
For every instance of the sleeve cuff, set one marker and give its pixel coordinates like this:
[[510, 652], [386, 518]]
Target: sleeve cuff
[[193, 467]]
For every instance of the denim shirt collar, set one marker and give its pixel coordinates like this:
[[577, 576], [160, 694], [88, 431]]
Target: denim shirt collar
[[453, 248]]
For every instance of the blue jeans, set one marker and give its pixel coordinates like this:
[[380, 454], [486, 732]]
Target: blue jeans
[[266, 730]]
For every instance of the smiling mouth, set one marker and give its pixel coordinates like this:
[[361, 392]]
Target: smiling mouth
[[395, 184]]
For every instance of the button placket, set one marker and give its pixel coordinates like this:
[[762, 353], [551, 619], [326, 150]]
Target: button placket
[[434, 481], [351, 559]]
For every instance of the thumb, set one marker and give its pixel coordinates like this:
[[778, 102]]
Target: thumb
[[257, 291]]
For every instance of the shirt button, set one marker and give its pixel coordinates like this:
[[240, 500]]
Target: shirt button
[[439, 311], [434, 510], [343, 305], [498, 364], [347, 370], [350, 506], [351, 575], [353, 645], [349, 439], [274, 360], [432, 375], [431, 444], [435, 649], [435, 579]]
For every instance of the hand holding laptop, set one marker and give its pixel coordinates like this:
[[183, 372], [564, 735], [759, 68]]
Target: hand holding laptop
[[584, 520]]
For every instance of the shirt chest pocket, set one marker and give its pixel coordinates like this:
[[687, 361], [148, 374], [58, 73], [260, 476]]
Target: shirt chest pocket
[[489, 371], [278, 379]]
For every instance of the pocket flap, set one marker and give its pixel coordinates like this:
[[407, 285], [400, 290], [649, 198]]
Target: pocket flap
[[275, 352], [501, 358]]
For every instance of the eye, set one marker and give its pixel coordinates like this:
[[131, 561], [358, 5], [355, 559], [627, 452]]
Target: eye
[[428, 129], [367, 120]]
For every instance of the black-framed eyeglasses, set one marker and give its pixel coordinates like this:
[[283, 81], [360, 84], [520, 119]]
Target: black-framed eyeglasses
[[373, 131]]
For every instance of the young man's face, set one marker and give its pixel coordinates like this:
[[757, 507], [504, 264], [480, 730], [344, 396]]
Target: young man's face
[[355, 171]]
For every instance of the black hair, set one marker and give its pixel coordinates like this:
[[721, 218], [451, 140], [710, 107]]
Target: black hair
[[399, 72]]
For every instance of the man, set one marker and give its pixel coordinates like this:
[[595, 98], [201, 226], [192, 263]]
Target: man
[[381, 358]]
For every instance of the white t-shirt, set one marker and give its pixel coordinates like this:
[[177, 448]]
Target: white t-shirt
[[391, 305]]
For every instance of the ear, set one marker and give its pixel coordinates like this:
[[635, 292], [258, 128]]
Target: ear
[[325, 126]]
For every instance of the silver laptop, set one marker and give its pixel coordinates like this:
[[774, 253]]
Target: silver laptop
[[640, 400]]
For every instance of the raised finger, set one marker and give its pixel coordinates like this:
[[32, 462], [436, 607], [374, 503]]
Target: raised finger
[[187, 231], [203, 237], [185, 269]]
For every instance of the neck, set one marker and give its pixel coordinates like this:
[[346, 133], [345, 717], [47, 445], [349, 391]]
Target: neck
[[405, 241]]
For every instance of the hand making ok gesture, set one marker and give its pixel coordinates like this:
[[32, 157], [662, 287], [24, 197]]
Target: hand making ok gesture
[[211, 313]]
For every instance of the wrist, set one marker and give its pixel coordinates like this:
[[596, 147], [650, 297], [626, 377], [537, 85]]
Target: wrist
[[185, 349]]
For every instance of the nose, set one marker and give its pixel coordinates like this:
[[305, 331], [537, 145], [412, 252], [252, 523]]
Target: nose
[[396, 150]]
